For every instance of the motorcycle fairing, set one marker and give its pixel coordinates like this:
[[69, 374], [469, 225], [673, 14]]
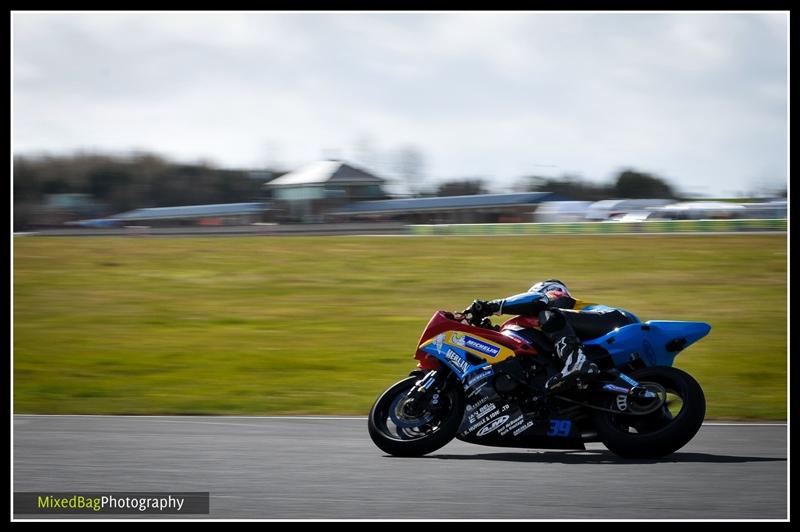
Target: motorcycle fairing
[[491, 420], [656, 342], [443, 323], [463, 352]]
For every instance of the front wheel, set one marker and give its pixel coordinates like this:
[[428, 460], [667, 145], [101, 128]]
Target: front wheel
[[663, 431], [402, 429]]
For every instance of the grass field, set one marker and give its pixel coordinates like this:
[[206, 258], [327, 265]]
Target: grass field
[[278, 325]]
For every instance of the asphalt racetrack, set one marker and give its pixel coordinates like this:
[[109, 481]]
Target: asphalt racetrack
[[328, 468]]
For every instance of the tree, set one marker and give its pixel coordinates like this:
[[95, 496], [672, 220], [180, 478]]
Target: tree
[[628, 184], [122, 183], [464, 187], [569, 187], [365, 154], [633, 184], [410, 164]]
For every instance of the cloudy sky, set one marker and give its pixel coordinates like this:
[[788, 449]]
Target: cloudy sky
[[699, 99]]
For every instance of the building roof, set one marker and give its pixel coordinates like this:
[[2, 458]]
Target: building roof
[[191, 211], [476, 201], [322, 172]]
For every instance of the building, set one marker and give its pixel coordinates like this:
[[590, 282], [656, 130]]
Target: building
[[208, 215], [308, 193], [479, 208], [59, 209], [334, 191]]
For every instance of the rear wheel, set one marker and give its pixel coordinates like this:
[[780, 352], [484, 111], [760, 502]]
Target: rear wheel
[[401, 427], [662, 431]]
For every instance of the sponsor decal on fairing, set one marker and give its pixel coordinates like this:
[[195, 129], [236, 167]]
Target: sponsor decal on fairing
[[474, 379], [511, 425], [477, 404], [439, 342], [456, 360], [489, 427], [480, 346], [483, 422], [457, 339], [481, 412]]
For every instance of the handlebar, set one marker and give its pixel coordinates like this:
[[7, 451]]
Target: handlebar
[[470, 319]]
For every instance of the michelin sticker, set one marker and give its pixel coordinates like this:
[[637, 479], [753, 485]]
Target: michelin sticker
[[480, 389], [480, 376], [493, 425], [484, 348]]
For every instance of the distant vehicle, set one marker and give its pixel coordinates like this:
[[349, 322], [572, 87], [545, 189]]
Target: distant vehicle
[[634, 216], [615, 208], [562, 211], [771, 209], [703, 210]]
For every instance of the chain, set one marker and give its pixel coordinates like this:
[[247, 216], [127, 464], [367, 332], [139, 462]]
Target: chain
[[609, 410]]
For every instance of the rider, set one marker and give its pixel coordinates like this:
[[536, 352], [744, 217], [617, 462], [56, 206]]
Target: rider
[[560, 316]]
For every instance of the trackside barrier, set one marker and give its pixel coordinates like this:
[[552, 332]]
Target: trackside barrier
[[587, 228]]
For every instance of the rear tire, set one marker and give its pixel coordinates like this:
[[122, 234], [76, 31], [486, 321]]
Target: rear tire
[[664, 431], [398, 434]]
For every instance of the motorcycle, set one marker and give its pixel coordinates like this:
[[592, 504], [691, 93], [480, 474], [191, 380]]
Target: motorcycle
[[485, 384]]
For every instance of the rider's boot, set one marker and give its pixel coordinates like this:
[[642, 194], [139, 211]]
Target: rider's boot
[[576, 366]]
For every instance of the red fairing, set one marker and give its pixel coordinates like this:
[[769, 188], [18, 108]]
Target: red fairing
[[445, 321]]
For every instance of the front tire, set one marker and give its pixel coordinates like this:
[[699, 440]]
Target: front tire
[[664, 431], [398, 433]]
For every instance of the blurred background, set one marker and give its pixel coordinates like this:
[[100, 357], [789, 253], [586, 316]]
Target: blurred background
[[309, 114], [659, 130]]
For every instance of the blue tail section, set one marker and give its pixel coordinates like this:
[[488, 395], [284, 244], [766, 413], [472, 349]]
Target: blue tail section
[[655, 342]]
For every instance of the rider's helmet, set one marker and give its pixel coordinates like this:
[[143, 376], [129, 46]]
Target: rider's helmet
[[550, 285]]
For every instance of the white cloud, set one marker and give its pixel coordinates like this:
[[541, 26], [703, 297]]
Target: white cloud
[[699, 98]]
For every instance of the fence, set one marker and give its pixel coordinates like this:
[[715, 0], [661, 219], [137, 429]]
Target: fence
[[583, 228]]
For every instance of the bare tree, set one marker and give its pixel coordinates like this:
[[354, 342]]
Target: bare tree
[[463, 187], [410, 165], [365, 154]]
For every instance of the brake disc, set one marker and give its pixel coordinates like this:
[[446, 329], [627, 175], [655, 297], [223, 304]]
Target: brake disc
[[399, 417]]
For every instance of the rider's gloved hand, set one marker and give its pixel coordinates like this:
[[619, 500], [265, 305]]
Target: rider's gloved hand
[[479, 309]]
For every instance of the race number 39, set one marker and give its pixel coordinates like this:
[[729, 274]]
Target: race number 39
[[560, 427]]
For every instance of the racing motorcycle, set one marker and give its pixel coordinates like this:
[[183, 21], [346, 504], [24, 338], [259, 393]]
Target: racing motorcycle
[[485, 384]]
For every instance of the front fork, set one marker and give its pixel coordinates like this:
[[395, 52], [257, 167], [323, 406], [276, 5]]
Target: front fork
[[425, 395]]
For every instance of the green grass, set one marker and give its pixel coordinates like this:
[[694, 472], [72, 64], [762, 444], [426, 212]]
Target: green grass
[[278, 325]]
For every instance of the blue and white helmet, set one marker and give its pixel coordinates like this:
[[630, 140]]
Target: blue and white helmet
[[550, 285]]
